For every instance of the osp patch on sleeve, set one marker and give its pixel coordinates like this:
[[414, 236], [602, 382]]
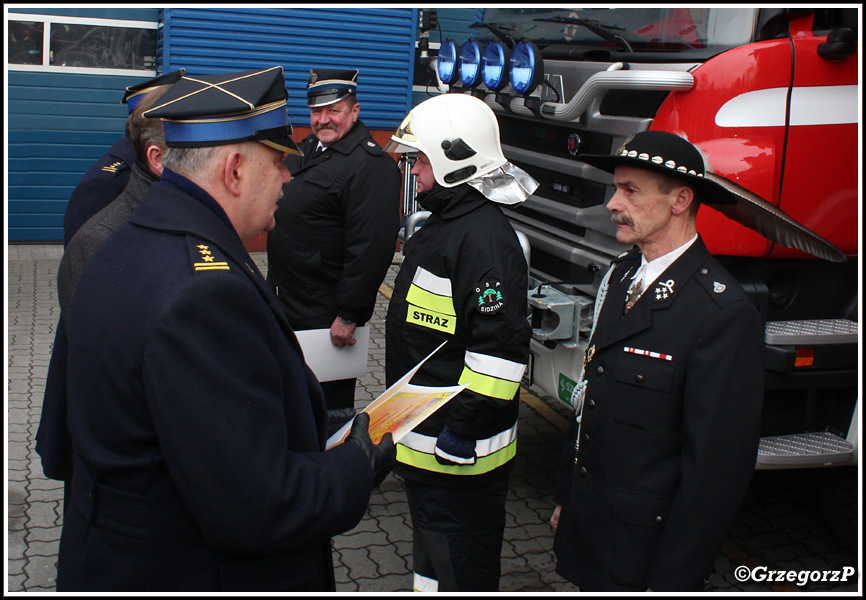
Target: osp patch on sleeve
[[489, 296]]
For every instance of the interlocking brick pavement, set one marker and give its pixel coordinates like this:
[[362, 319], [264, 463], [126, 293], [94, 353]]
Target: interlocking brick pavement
[[777, 523]]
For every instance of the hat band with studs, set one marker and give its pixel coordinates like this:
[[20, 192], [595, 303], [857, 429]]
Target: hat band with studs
[[658, 160]]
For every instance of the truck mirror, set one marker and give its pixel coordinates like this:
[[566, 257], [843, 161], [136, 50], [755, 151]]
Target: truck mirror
[[841, 43]]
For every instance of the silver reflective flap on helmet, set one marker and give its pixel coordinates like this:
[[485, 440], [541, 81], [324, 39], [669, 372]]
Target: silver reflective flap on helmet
[[506, 185]]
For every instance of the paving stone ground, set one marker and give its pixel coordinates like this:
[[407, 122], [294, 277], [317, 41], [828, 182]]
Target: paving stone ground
[[777, 525]]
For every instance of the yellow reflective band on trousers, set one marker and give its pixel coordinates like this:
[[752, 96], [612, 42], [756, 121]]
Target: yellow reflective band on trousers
[[431, 319], [430, 301], [489, 386], [428, 462]]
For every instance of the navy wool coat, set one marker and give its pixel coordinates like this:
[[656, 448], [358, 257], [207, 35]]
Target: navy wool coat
[[197, 428]]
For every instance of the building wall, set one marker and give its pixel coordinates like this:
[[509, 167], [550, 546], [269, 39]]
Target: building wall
[[58, 124], [61, 122]]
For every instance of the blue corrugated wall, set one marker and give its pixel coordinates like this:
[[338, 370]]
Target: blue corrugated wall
[[59, 123], [378, 42]]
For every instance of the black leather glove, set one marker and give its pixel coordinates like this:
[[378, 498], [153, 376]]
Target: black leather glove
[[381, 455]]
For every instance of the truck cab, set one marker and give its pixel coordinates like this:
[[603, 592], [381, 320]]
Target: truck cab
[[770, 96]]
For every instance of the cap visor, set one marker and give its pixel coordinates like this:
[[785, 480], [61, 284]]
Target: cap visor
[[327, 99]]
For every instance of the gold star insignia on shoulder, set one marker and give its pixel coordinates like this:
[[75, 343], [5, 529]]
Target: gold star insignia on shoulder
[[206, 261]]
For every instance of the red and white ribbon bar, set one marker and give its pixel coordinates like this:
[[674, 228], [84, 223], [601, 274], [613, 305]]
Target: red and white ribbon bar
[[648, 353]]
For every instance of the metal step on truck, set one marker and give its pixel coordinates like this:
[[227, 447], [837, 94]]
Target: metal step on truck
[[770, 96]]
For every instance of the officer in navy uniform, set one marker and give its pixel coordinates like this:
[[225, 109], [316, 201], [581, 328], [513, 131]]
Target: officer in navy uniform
[[336, 226], [99, 187], [105, 180], [662, 452], [198, 430]]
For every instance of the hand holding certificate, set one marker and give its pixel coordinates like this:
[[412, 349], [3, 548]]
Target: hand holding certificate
[[401, 407]]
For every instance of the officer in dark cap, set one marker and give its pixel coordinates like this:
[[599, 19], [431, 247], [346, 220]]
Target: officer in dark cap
[[104, 181], [198, 430], [665, 439], [94, 193], [336, 227]]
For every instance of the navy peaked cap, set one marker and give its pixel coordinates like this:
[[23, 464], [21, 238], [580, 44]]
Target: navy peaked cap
[[328, 86], [227, 108], [135, 93]]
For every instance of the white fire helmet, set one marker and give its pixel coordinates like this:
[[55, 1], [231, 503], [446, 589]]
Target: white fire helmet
[[458, 133]]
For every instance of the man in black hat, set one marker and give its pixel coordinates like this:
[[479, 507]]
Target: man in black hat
[[336, 227], [52, 437], [198, 430], [663, 448]]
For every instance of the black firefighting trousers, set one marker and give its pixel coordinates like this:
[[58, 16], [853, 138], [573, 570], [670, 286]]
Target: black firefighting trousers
[[457, 535]]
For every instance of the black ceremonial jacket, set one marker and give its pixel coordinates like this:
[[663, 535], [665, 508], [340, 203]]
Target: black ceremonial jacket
[[463, 281], [336, 230], [198, 430], [670, 430]]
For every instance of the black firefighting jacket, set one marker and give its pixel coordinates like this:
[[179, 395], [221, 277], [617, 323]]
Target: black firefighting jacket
[[463, 280]]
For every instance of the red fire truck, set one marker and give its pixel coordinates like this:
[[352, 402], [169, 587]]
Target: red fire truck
[[770, 96]]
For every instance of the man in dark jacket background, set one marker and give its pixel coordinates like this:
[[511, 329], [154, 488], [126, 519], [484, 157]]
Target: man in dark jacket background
[[337, 225]]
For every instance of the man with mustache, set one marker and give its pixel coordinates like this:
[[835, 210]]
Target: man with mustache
[[665, 438], [336, 229]]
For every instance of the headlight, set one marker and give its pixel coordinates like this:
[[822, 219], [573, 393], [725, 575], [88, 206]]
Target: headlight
[[494, 62], [469, 63], [446, 64], [526, 68]]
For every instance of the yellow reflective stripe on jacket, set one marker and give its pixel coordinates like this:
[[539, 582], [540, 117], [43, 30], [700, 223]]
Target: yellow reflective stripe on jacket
[[492, 376], [428, 462], [416, 450], [494, 366], [430, 301], [488, 386]]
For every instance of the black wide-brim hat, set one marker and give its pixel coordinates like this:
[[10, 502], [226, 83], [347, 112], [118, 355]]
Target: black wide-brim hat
[[669, 154], [227, 108], [666, 154]]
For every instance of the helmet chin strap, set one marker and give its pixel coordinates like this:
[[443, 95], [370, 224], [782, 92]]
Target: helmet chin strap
[[507, 184]]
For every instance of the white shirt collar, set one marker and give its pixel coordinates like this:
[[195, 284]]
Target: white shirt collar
[[651, 270]]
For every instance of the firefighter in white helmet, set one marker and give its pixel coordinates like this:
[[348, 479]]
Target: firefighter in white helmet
[[463, 280]]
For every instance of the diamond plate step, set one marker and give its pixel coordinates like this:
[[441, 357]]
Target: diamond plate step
[[811, 332], [803, 449]]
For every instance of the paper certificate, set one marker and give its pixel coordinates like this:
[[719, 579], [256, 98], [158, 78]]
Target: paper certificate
[[329, 362], [401, 407]]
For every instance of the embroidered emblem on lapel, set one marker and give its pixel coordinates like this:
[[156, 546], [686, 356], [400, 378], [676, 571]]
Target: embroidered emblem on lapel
[[665, 289], [112, 168], [719, 287]]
